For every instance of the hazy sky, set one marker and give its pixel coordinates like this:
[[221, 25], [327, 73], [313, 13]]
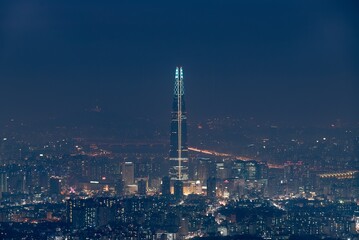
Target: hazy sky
[[279, 60]]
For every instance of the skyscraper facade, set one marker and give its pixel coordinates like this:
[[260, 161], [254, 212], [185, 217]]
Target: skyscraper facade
[[3, 183], [166, 186], [128, 173], [178, 189], [178, 141]]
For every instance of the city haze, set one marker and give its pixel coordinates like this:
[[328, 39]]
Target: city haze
[[170, 120], [281, 61]]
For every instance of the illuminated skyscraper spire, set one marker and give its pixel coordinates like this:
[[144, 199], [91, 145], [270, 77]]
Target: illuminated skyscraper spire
[[178, 143]]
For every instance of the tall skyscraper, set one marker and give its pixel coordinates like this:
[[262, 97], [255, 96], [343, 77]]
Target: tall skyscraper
[[128, 173], [55, 185], [178, 141], [166, 186], [206, 168], [211, 187], [142, 187], [3, 183], [178, 189]]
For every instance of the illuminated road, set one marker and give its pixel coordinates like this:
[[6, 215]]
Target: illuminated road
[[339, 175], [214, 153], [218, 154]]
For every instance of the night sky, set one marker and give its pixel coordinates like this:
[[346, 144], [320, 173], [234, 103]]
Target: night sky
[[287, 61]]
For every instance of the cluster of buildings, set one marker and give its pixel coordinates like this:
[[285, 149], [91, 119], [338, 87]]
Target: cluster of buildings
[[95, 192]]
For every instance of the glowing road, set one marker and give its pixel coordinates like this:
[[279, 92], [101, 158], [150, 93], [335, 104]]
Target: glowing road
[[214, 153]]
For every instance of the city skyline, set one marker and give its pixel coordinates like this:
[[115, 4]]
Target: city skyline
[[92, 148]]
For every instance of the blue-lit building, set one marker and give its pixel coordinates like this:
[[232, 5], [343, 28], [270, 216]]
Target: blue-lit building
[[178, 142]]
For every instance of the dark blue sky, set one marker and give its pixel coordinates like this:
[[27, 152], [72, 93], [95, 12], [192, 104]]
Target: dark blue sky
[[294, 61]]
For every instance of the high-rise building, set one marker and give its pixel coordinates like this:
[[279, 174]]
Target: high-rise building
[[3, 183], [119, 186], [251, 170], [55, 185], [178, 189], [81, 213], [178, 141], [166, 186], [142, 187], [206, 168], [211, 187], [128, 173], [294, 176]]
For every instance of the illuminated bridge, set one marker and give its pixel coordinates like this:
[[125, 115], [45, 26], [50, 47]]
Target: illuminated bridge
[[214, 153], [340, 175], [219, 154]]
